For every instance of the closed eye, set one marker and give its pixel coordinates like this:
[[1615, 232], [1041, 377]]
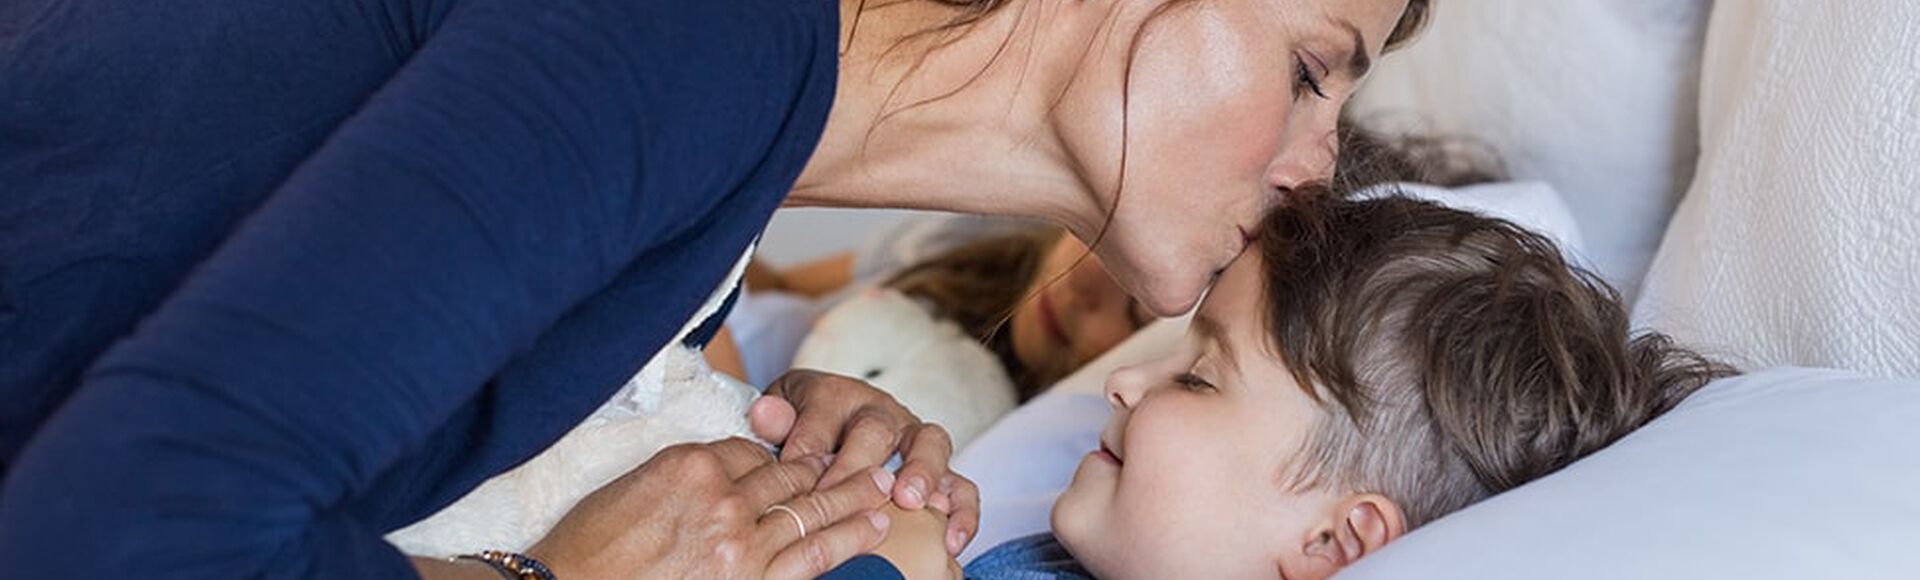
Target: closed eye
[[1305, 80], [1193, 382]]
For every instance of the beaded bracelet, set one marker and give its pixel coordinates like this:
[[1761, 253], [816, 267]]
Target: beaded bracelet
[[511, 565]]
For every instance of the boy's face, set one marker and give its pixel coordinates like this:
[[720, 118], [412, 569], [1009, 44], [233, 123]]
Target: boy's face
[[1191, 480]]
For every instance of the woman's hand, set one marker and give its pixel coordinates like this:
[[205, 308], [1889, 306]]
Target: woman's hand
[[815, 413], [705, 511]]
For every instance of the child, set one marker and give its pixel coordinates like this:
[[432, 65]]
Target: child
[[1368, 367], [1035, 298]]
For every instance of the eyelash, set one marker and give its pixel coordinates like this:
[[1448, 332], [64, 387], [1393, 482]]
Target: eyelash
[[1304, 79], [1193, 382]]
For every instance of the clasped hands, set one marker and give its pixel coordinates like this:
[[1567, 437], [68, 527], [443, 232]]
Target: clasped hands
[[730, 509]]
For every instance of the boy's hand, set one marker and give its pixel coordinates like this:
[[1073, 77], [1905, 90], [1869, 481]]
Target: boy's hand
[[916, 544]]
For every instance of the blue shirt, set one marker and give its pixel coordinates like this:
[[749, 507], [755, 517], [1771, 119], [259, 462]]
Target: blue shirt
[[1035, 557], [280, 276]]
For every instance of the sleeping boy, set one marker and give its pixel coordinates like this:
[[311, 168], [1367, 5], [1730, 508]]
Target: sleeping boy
[[1368, 367]]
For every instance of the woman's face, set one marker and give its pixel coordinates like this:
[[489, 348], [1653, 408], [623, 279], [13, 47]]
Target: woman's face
[[1072, 318], [1230, 105]]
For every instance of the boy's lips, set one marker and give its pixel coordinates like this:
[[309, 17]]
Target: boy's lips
[[1106, 453]]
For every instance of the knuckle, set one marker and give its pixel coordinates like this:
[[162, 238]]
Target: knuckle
[[729, 553], [731, 507], [935, 434], [871, 426], [747, 449], [673, 454], [802, 380]]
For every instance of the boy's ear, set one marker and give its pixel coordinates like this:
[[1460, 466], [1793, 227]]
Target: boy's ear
[[1359, 525]]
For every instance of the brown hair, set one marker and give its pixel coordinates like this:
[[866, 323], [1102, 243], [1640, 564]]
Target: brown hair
[[1456, 355], [978, 286]]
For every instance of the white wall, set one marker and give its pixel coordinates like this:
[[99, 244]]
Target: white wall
[[801, 234]]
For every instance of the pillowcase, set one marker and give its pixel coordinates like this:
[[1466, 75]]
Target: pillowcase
[[1800, 241], [1593, 97], [1787, 473]]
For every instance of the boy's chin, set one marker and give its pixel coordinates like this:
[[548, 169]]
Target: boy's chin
[[1082, 502]]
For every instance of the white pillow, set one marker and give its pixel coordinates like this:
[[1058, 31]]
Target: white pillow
[[1800, 241], [1787, 473], [1533, 205], [1593, 96]]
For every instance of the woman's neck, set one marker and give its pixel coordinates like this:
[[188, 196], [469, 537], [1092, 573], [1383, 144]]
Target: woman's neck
[[953, 121]]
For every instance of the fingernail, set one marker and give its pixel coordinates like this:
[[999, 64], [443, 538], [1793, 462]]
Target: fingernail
[[956, 539], [879, 520], [816, 462], [883, 479], [916, 492]]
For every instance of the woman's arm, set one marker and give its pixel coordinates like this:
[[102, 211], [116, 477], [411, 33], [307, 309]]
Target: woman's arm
[[515, 165], [443, 569]]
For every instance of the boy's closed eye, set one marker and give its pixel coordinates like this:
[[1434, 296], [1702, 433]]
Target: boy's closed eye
[[1193, 382]]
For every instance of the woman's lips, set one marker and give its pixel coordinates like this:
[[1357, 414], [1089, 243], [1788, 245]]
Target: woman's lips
[[1049, 321]]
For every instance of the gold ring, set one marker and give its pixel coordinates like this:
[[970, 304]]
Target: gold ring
[[797, 522]]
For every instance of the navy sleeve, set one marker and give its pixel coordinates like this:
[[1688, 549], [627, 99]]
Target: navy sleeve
[[868, 567], [522, 162]]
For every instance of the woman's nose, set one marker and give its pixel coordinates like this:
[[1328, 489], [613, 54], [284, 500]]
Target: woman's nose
[[1303, 162]]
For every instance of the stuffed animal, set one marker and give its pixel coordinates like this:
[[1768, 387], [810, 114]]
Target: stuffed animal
[[929, 364]]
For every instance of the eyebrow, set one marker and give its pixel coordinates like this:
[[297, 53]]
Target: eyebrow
[[1358, 63], [1211, 331]]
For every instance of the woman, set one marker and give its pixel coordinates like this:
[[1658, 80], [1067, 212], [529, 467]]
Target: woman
[[380, 251]]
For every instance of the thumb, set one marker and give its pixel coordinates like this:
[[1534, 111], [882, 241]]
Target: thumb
[[772, 418]]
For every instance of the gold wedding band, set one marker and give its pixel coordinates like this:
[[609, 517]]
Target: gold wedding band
[[797, 522]]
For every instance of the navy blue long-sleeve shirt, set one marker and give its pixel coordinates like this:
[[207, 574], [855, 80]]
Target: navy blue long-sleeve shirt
[[279, 276]]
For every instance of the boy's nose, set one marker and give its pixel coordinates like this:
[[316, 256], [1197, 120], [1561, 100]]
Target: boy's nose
[[1125, 386]]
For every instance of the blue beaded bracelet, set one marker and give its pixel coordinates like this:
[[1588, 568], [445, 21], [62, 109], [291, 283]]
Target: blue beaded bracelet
[[512, 565]]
